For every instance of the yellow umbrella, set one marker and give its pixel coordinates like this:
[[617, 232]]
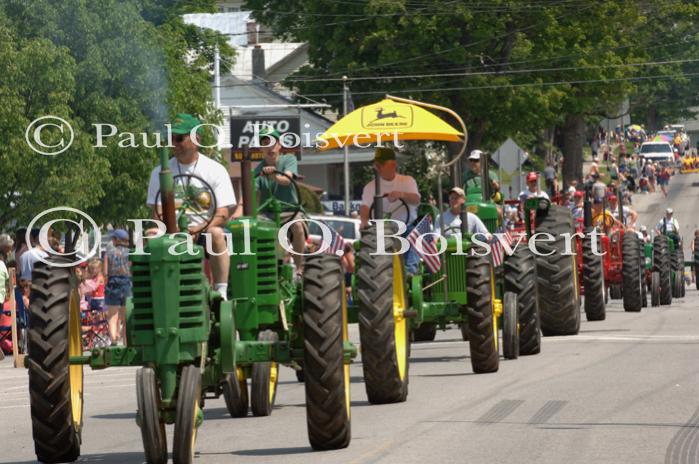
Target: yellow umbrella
[[389, 120]]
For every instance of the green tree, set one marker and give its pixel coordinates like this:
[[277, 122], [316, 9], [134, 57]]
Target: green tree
[[129, 63]]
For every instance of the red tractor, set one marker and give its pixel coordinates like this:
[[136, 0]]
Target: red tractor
[[623, 260]]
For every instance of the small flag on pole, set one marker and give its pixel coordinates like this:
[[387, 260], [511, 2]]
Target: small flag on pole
[[496, 246], [337, 243], [424, 227]]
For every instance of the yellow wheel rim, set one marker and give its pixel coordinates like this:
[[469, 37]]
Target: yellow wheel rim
[[273, 376], [345, 339], [75, 348], [496, 308], [399, 322], [576, 283], [194, 424]]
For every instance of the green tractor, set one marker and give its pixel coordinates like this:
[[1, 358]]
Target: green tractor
[[661, 263], [557, 270], [192, 343]]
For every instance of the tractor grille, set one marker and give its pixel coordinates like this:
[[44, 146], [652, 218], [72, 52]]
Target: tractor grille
[[456, 278], [266, 267], [491, 224]]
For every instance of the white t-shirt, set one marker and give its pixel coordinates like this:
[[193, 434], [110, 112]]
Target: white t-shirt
[[475, 225], [400, 183], [28, 260], [204, 167], [527, 194], [615, 212]]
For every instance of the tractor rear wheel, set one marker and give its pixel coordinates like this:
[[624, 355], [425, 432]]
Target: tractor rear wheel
[[662, 263], [632, 272], [677, 285], [326, 376], [644, 291], [55, 387], [482, 325], [425, 333], [615, 292], [510, 327], [655, 289], [263, 386], [593, 281], [152, 427], [680, 269], [520, 278], [557, 279], [383, 329], [235, 393], [187, 415]]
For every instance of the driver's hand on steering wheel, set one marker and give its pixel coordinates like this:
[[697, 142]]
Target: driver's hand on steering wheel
[[394, 196], [268, 170]]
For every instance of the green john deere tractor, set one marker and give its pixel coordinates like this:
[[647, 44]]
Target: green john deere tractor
[[660, 270], [192, 343]]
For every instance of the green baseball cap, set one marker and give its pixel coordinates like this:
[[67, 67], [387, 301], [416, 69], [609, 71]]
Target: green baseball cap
[[269, 132], [383, 154], [184, 123]]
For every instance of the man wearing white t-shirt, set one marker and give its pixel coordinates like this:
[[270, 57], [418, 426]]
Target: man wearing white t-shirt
[[532, 190], [188, 160], [394, 187]]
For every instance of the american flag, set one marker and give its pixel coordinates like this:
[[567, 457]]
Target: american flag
[[496, 246], [337, 243], [423, 227]]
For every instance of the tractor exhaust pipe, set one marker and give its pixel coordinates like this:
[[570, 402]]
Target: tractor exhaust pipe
[[167, 193], [246, 181]]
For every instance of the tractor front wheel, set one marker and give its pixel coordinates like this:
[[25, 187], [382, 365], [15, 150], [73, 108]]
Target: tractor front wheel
[[482, 325], [383, 329], [152, 427], [520, 278], [655, 289], [662, 263], [632, 272], [187, 416], [326, 376], [425, 333], [263, 388], [593, 281], [55, 387], [235, 393], [510, 327]]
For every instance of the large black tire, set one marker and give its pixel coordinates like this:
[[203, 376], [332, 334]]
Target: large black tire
[[662, 263], [425, 333], [188, 400], [326, 377], [632, 272], [384, 354], [559, 296], [152, 427], [482, 329], [655, 289], [644, 292], [593, 280], [56, 402], [615, 292], [235, 393], [680, 269], [263, 384], [520, 278], [510, 326]]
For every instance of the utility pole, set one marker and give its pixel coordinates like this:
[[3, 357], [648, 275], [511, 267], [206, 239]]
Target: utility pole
[[345, 105], [217, 77]]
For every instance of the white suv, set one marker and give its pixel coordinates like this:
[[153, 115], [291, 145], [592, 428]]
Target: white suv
[[657, 151]]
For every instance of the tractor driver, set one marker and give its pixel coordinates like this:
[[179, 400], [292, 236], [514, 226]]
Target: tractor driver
[[533, 190], [267, 182], [630, 216], [394, 187], [472, 177], [188, 160], [452, 217], [669, 226]]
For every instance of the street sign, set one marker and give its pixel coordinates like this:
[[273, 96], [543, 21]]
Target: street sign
[[510, 157], [245, 129]]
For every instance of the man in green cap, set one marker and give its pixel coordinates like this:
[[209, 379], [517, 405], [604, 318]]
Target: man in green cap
[[268, 183], [394, 187], [186, 137]]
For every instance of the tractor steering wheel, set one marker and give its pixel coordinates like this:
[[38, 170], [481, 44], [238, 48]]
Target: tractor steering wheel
[[194, 197], [403, 204], [267, 204]]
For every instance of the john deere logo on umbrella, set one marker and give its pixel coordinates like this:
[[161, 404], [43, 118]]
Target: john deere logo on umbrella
[[389, 117]]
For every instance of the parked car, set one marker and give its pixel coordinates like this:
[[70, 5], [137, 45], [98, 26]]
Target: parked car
[[345, 226], [657, 151]]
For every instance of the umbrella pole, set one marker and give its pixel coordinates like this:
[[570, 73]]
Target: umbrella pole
[[345, 91], [440, 204]]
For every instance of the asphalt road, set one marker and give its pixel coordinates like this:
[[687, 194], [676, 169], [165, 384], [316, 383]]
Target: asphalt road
[[626, 390]]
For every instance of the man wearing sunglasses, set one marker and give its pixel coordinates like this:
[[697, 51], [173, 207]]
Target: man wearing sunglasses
[[186, 137]]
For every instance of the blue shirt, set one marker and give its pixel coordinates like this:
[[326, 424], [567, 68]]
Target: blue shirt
[[475, 225]]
